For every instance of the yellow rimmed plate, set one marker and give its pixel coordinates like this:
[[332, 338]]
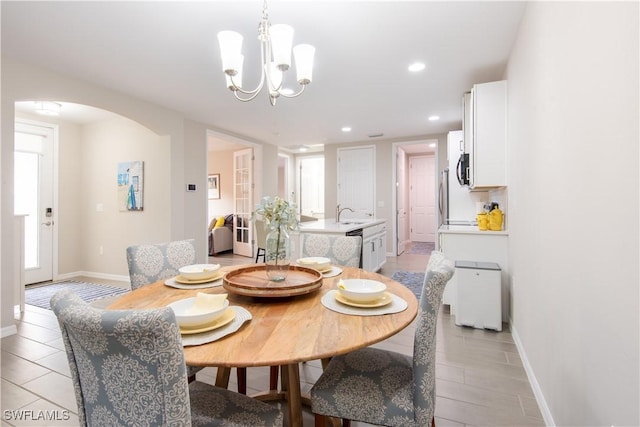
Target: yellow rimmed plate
[[185, 281], [221, 321], [385, 299], [326, 270]]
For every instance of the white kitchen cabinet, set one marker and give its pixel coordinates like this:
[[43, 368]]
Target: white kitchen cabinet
[[374, 247], [469, 244], [488, 145]]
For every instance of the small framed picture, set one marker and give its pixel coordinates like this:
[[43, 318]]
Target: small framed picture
[[213, 186]]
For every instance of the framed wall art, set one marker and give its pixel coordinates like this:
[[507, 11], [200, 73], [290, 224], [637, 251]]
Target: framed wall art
[[131, 186], [213, 186]]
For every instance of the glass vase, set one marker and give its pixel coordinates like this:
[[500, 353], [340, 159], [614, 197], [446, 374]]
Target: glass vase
[[277, 254]]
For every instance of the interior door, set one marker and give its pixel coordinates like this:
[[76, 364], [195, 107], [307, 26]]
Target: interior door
[[401, 201], [34, 151], [243, 199], [356, 181], [422, 200]]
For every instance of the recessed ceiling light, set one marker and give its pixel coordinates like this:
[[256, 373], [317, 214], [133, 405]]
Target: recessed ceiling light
[[47, 108], [417, 66], [434, 118], [303, 148], [432, 145], [346, 129]]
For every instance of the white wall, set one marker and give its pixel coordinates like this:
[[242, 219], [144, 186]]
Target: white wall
[[573, 199], [221, 162], [104, 145]]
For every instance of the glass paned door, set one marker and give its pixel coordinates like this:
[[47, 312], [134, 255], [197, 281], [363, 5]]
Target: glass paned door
[[33, 197], [243, 199]]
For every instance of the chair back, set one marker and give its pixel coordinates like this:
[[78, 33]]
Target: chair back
[[261, 234], [127, 366], [439, 271], [152, 262], [341, 250]]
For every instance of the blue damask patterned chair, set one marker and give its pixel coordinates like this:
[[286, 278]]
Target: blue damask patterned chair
[[128, 368], [382, 387], [341, 250], [152, 262]]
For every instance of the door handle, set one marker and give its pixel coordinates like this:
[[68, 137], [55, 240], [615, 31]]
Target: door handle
[[48, 223]]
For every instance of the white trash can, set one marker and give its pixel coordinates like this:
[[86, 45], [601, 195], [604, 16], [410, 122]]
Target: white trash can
[[479, 295]]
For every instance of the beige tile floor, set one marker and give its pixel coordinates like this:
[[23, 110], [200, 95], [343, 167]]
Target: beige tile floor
[[480, 380]]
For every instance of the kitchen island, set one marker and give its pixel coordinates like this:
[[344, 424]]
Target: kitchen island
[[468, 243], [373, 232]]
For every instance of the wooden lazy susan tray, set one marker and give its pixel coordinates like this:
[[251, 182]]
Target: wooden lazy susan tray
[[253, 281]]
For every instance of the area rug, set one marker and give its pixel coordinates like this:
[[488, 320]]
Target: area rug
[[89, 292], [413, 281], [421, 248]]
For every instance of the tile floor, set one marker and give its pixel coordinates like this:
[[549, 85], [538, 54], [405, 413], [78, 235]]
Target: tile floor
[[480, 380]]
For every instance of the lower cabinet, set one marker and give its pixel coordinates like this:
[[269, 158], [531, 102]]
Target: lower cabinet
[[374, 247]]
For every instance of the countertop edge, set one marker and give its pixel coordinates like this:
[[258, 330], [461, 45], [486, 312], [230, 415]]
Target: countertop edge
[[446, 229], [330, 226]]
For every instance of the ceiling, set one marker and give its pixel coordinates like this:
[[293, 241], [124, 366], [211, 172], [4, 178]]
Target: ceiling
[[167, 53]]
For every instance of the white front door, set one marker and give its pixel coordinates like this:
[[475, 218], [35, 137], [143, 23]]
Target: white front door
[[356, 181], [243, 199], [34, 152], [422, 202]]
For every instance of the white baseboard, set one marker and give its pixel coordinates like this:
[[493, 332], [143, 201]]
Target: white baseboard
[[115, 277], [8, 330], [537, 391]]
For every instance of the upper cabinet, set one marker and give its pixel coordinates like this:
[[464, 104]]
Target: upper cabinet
[[486, 134]]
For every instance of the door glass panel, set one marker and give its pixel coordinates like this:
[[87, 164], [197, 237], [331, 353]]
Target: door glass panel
[[26, 178], [242, 202]]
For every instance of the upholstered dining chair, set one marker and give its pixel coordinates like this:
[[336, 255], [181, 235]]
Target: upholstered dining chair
[[400, 389], [128, 368], [149, 263], [341, 250]]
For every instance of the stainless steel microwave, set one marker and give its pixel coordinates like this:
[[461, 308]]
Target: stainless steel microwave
[[463, 169]]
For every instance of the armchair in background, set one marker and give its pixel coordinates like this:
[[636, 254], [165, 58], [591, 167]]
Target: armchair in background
[[220, 234]]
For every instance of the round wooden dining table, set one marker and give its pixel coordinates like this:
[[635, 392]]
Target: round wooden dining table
[[283, 331]]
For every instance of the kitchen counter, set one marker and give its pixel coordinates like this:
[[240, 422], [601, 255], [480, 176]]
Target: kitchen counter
[[469, 229], [329, 225]]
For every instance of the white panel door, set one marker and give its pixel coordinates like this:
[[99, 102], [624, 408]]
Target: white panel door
[[356, 181], [401, 201], [422, 199], [243, 199], [34, 196]]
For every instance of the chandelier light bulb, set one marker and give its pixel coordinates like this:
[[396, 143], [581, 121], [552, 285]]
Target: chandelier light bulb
[[281, 41], [230, 50]]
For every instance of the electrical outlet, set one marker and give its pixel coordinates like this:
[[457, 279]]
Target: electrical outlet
[[101, 250]]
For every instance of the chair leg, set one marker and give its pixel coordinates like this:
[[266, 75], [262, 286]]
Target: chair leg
[[242, 380], [346, 423], [191, 379], [320, 420], [273, 377], [433, 421]]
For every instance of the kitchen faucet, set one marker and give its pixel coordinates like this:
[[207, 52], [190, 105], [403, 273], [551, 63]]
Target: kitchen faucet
[[339, 211]]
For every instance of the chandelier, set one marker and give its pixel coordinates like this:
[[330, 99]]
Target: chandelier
[[275, 52]]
